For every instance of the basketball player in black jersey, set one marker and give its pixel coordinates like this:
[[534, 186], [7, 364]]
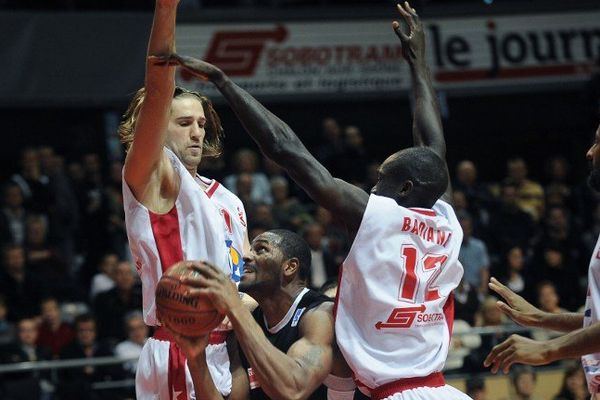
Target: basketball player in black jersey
[[287, 344]]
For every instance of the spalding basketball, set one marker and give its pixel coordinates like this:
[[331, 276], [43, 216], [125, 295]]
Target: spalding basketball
[[185, 315]]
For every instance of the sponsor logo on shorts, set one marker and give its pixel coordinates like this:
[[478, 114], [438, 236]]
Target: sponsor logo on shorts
[[407, 317]]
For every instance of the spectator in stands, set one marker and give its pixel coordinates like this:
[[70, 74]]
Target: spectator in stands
[[523, 380], [111, 306], [475, 388], [34, 185], [462, 343], [75, 383], [557, 172], [466, 302], [474, 256], [262, 216], [322, 267], [574, 386], [104, 279], [509, 225], [21, 289], [332, 145], [246, 162], [555, 267], [287, 211], [354, 157], [13, 216], [548, 299], [24, 385], [137, 333], [243, 189], [64, 215], [478, 196], [54, 333], [113, 192], [7, 328], [337, 238], [43, 259], [513, 272], [530, 194]]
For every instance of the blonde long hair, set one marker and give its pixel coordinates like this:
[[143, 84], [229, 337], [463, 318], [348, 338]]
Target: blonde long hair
[[213, 141]]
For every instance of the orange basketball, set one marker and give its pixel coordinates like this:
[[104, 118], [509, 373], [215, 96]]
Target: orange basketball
[[188, 316]]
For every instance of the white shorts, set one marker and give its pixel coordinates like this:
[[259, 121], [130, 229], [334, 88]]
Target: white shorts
[[446, 392], [152, 376]]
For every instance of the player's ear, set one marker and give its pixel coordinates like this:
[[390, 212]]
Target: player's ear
[[291, 267], [405, 188]]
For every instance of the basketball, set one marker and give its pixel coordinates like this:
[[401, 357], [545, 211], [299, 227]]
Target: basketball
[[185, 315]]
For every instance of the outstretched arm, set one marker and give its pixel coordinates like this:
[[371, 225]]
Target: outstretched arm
[[427, 124], [145, 152], [292, 375], [278, 142]]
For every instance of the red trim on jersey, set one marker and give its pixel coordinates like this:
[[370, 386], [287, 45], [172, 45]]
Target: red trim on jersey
[[435, 379], [212, 189], [176, 373], [215, 337], [424, 211], [165, 228], [337, 294], [449, 313]]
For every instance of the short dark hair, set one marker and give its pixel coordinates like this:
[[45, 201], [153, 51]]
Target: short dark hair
[[82, 318], [293, 246], [522, 370], [425, 169]]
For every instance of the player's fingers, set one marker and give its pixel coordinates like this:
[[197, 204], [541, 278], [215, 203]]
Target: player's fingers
[[398, 30], [510, 360], [203, 268], [410, 10], [198, 281], [198, 292], [499, 288], [506, 309], [499, 348]]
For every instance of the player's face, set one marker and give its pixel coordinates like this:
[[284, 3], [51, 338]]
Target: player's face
[[185, 132], [593, 155], [262, 266]]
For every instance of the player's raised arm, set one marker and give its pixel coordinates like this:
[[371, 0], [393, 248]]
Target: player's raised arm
[[145, 151], [427, 124], [278, 142]]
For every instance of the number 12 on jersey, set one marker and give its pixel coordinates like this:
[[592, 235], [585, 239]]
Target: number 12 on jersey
[[417, 268]]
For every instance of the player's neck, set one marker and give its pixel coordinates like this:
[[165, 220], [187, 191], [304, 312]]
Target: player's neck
[[276, 305]]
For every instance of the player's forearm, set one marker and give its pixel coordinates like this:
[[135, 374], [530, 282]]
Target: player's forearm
[[274, 137], [427, 125], [280, 376], [162, 42], [203, 384], [575, 344], [563, 322]]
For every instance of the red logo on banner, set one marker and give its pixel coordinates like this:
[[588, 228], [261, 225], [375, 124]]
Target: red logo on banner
[[237, 53], [401, 317]]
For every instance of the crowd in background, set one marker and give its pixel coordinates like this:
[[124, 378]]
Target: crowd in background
[[68, 288]]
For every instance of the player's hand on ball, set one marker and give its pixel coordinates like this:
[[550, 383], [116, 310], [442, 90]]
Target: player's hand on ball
[[516, 307], [211, 282], [517, 349], [198, 68], [412, 38]]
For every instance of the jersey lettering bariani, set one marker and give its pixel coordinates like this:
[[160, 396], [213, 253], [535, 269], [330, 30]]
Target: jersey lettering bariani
[[591, 362], [194, 229], [395, 307]]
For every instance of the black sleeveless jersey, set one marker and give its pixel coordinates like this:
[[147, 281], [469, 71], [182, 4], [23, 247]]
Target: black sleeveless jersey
[[283, 335]]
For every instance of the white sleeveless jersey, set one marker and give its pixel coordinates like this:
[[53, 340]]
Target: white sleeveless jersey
[[395, 307], [591, 362], [194, 229]]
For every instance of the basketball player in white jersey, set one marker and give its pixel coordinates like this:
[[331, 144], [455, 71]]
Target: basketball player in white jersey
[[395, 306], [171, 213], [583, 339]]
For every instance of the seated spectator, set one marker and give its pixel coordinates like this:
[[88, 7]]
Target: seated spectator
[[574, 386], [512, 274], [477, 195], [75, 383], [54, 333], [530, 194], [287, 211], [558, 189], [354, 157], [474, 257], [555, 267], [261, 216], [548, 301], [475, 388], [22, 290], [137, 333], [246, 162], [34, 185], [523, 381], [25, 385], [466, 302], [111, 306], [322, 267], [330, 147], [113, 192], [104, 279], [7, 328], [13, 215], [462, 343]]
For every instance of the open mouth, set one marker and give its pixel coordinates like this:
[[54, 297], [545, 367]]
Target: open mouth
[[249, 269]]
